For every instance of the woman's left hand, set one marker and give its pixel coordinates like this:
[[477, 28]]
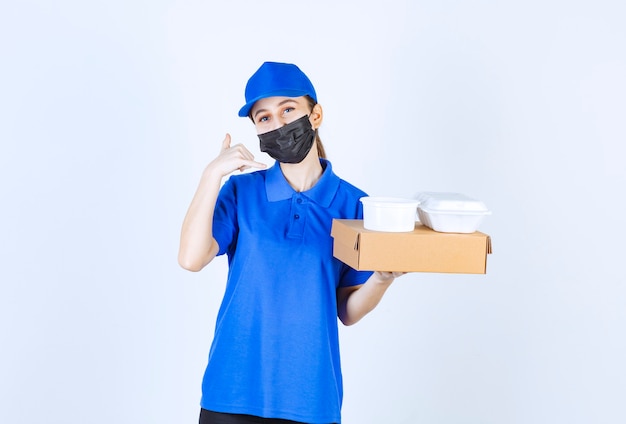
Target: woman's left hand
[[388, 275]]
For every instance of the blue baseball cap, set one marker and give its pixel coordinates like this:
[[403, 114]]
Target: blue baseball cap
[[276, 79]]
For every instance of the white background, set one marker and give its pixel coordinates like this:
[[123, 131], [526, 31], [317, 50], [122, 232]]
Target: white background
[[110, 110]]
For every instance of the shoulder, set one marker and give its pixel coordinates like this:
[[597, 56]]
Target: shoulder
[[350, 189], [344, 187], [247, 179], [238, 186]]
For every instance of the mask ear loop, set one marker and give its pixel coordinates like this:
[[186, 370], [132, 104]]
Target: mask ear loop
[[311, 113], [314, 129]]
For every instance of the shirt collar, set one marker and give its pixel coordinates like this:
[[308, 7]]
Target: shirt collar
[[277, 188]]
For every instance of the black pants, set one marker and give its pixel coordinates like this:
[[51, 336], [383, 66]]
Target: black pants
[[210, 417]]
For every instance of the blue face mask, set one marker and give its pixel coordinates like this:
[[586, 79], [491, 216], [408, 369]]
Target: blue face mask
[[289, 143]]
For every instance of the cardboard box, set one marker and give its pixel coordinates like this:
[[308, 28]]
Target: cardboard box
[[422, 250]]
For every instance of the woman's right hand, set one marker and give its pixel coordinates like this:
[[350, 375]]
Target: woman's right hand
[[197, 245], [232, 158]]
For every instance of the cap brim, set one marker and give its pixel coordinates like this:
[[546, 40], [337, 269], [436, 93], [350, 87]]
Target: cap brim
[[245, 110]]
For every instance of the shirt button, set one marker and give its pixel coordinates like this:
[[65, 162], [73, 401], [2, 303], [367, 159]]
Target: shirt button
[[299, 200], [296, 216]]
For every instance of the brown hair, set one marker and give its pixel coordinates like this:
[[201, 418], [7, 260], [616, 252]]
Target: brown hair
[[321, 152]]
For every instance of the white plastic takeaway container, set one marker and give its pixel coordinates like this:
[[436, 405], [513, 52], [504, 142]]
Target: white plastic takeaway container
[[450, 212], [390, 214]]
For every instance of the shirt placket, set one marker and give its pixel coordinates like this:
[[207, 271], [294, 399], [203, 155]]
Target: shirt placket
[[298, 216]]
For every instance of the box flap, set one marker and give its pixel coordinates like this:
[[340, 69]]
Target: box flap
[[346, 242], [345, 232]]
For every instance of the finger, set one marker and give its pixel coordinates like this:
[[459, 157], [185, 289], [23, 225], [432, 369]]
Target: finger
[[241, 150], [387, 275], [246, 154], [252, 164], [226, 142]]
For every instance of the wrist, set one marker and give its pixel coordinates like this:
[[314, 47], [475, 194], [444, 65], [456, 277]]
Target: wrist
[[384, 277], [212, 173]]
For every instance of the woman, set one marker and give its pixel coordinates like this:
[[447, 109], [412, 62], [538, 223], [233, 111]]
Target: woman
[[275, 352]]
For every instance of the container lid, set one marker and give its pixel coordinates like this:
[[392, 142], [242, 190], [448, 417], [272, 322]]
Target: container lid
[[389, 202], [444, 202]]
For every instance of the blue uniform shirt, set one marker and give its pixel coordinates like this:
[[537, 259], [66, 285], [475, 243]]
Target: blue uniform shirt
[[275, 352]]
